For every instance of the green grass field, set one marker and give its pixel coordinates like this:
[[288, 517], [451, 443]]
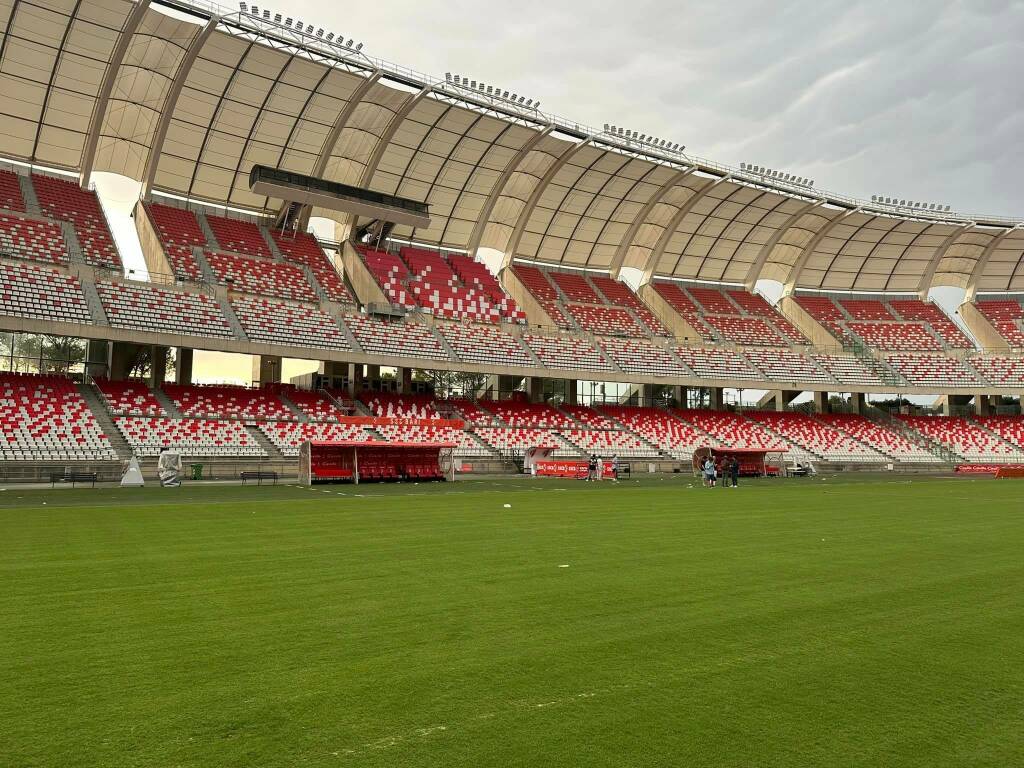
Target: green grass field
[[787, 623]]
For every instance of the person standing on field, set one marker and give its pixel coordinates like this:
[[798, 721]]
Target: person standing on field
[[734, 471]]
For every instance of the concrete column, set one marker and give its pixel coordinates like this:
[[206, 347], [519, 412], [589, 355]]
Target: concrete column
[[358, 377], [821, 402], [535, 389], [857, 402], [506, 385], [716, 398], [183, 366], [950, 403], [647, 394], [157, 365], [97, 358], [403, 380], [266, 369], [122, 358], [572, 395], [679, 394], [982, 405]]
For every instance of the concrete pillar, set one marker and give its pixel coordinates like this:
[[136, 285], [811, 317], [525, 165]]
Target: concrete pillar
[[715, 398], [157, 365], [646, 395], [403, 380], [535, 389], [506, 386], [679, 394], [266, 369], [183, 366], [122, 358], [982, 405], [857, 402], [97, 358], [358, 377], [821, 402], [572, 395], [951, 402]]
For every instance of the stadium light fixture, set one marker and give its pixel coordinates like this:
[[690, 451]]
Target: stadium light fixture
[[277, 20], [244, 8]]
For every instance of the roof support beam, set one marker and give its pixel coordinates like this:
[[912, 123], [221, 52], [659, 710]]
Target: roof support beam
[[659, 248], [99, 110], [171, 101], [940, 253], [762, 255], [485, 213], [982, 262], [805, 254], [627, 238], [531, 204], [61, 50], [320, 166]]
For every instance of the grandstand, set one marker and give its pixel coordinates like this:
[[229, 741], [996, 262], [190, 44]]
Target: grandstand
[[230, 270]]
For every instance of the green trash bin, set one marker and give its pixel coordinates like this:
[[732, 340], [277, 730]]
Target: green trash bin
[[197, 471]]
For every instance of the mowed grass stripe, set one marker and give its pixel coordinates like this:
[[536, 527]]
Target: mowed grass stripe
[[692, 627]]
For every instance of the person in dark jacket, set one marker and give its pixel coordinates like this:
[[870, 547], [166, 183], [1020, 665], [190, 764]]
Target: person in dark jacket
[[734, 471]]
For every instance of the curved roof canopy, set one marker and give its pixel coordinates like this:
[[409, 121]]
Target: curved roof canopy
[[187, 101]]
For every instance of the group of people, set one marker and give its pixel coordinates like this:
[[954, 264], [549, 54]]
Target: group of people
[[595, 467], [728, 467]]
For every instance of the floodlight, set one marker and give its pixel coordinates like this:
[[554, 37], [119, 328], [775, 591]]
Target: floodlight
[[243, 7], [320, 32], [359, 47], [490, 89], [947, 207], [309, 30], [288, 22], [537, 105], [504, 95], [473, 85], [277, 19], [529, 102], [522, 99], [266, 14]]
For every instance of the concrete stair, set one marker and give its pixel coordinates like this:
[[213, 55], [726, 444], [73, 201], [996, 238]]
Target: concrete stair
[[103, 417], [299, 413], [28, 191], [166, 403], [273, 454], [211, 239]]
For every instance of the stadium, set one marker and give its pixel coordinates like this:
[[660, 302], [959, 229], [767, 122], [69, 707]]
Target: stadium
[[380, 549]]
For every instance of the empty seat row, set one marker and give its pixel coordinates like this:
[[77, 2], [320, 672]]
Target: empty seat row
[[644, 357], [485, 344], [288, 437], [400, 339], [11, 198], [302, 248], [179, 232], [671, 434], [261, 276], [25, 238], [65, 200], [41, 293], [399, 406], [145, 308], [298, 325], [817, 437], [784, 365], [238, 236], [933, 370], [567, 353], [189, 437], [605, 321], [518, 440], [131, 397], [223, 401]]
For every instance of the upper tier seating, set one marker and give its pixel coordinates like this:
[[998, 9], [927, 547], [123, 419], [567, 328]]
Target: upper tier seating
[[318, 406], [732, 430], [930, 314], [465, 443], [566, 352], [620, 294], [896, 337], [847, 370], [784, 365], [536, 282], [400, 339], [588, 417], [288, 436], [575, 287], [474, 274], [1006, 316], [536, 415], [144, 308], [608, 442], [677, 438], [390, 273], [817, 437], [749, 331], [275, 322], [395, 406], [224, 401], [713, 301], [11, 198], [179, 232], [261, 277], [190, 437], [866, 309], [938, 370], [963, 437], [485, 344], [45, 418], [65, 200], [887, 441], [680, 301], [825, 311], [129, 398], [605, 321], [1009, 428], [39, 292], [1000, 371], [518, 440], [238, 236], [302, 248], [639, 356], [712, 363], [32, 239]]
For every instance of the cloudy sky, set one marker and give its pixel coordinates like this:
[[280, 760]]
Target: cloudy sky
[[921, 100]]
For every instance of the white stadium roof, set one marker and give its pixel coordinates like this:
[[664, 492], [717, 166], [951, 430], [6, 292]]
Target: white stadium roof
[[186, 98]]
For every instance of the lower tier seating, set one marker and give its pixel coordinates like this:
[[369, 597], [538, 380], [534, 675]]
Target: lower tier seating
[[395, 406], [287, 437], [963, 437], [224, 401], [485, 344], [398, 339], [129, 398], [190, 437], [39, 292], [518, 440], [32, 239], [45, 418], [783, 365], [536, 415], [142, 307], [608, 442], [732, 430], [1009, 428], [588, 416], [465, 443], [297, 325], [315, 404], [937, 370], [712, 363], [817, 437], [887, 441], [566, 353], [638, 356], [672, 435], [470, 412], [605, 321]]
